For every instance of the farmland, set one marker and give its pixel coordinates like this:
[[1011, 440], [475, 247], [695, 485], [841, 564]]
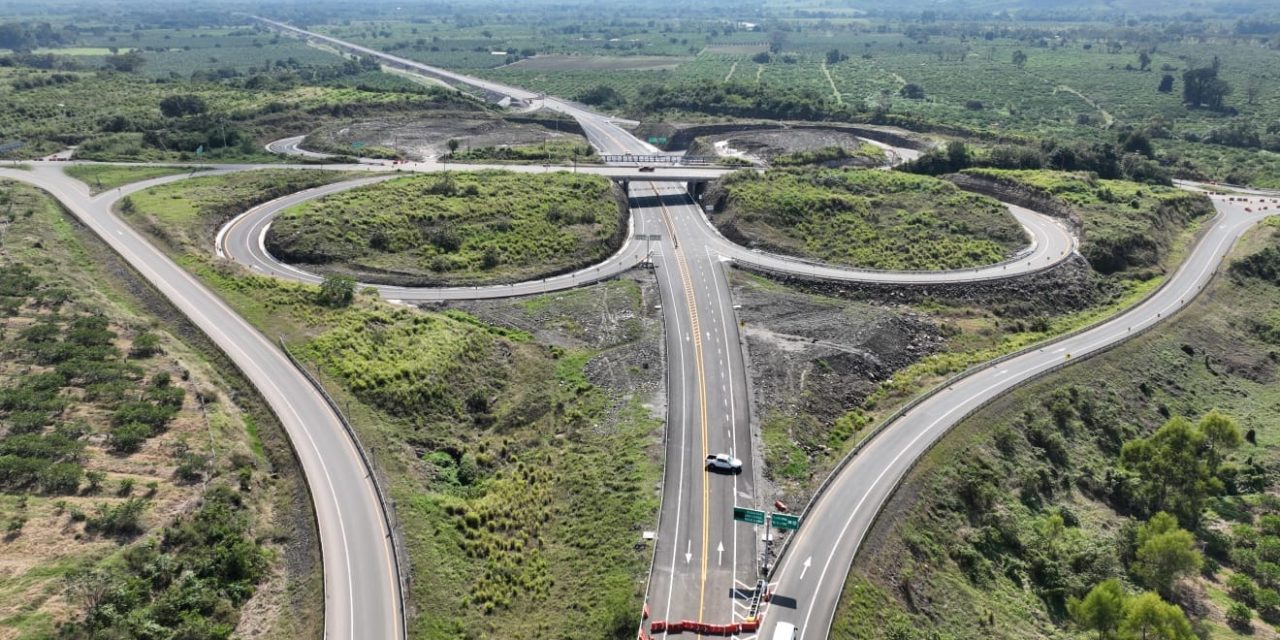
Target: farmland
[[868, 219], [111, 411], [457, 228]]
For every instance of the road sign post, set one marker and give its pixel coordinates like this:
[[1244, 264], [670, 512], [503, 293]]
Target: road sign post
[[784, 522]]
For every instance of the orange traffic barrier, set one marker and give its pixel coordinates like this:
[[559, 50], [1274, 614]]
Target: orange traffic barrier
[[658, 626], [645, 613]]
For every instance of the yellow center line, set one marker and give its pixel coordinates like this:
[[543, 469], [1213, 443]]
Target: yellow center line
[[696, 328]]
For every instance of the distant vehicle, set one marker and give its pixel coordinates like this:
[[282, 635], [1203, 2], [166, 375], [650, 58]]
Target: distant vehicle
[[724, 462], [784, 631], [646, 169]]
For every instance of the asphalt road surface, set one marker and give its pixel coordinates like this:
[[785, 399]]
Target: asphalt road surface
[[702, 558]]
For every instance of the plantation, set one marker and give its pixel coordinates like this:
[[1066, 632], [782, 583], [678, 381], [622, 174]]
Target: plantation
[[1126, 226], [120, 512], [1117, 470], [868, 219], [455, 228]]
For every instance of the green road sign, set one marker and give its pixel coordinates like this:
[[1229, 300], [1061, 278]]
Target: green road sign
[[751, 516], [784, 521], [657, 140], [357, 145], [200, 150]]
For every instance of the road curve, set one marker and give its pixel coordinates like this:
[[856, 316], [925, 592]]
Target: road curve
[[811, 574], [362, 590]]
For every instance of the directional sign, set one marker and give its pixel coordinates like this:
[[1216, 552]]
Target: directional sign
[[200, 150], [657, 139], [752, 516], [12, 146], [784, 521], [357, 145]]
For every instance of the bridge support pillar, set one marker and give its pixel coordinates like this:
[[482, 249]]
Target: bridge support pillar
[[696, 189], [626, 186]]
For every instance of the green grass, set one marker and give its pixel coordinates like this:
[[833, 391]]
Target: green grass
[[455, 228], [869, 219], [494, 445], [1049, 447], [102, 177], [552, 150], [185, 215], [1127, 226]]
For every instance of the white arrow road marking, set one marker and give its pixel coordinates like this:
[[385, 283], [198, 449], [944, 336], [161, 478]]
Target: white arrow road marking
[[688, 552], [807, 561], [719, 553]]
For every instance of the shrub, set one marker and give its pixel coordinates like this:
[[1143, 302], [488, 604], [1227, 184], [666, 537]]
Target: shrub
[[128, 438], [337, 291], [145, 345], [1239, 616], [122, 519]]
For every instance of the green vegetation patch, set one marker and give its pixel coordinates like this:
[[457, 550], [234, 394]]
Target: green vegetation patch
[[869, 219], [574, 149], [466, 228], [121, 516], [1053, 510], [101, 177], [1126, 225], [186, 214]]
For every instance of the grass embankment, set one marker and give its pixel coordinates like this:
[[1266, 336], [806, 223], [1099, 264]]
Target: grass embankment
[[186, 215], [1030, 502], [869, 219], [137, 471], [455, 228], [101, 177], [1127, 226], [864, 153], [563, 149], [520, 485]]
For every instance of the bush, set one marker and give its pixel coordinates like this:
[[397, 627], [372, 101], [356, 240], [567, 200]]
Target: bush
[[122, 519], [145, 345], [1239, 616], [337, 291], [128, 438]]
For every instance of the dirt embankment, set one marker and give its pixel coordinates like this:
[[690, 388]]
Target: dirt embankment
[[1020, 195], [1069, 286], [681, 137], [428, 135]]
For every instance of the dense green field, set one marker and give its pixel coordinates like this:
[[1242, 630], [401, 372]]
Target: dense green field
[[1037, 499], [111, 481], [869, 219], [455, 228]]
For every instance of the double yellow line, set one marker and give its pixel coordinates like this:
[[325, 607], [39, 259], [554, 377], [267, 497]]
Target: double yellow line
[[695, 328]]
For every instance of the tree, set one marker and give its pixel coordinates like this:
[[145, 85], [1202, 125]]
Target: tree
[[777, 41], [1019, 59], [1221, 434], [912, 91], [761, 58], [1165, 553], [337, 291], [182, 105], [1253, 89], [1166, 84], [1173, 475], [453, 145], [835, 57], [1150, 618], [1201, 87], [125, 62], [1102, 610], [1144, 61]]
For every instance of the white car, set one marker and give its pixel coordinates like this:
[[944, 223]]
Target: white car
[[724, 462]]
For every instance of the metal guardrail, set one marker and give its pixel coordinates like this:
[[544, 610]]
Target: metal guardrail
[[936, 389], [387, 505]]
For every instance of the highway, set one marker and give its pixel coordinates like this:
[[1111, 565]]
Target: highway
[[701, 556], [362, 592], [811, 576]]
